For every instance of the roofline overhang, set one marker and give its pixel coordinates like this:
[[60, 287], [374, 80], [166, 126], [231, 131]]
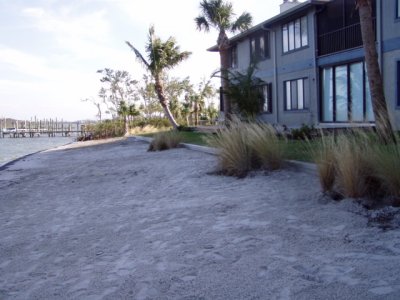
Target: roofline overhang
[[268, 23]]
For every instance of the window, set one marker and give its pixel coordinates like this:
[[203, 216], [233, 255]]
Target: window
[[294, 94], [345, 95], [398, 83], [234, 57], [398, 8], [295, 35], [259, 47], [266, 91]]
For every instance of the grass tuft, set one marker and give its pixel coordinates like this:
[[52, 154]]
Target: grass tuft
[[247, 146], [165, 140], [266, 145]]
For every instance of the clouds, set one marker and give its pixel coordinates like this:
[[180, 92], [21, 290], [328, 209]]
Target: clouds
[[50, 49]]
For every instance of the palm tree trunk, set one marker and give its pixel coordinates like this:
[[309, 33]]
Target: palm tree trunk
[[126, 125], [223, 45], [164, 102], [382, 119]]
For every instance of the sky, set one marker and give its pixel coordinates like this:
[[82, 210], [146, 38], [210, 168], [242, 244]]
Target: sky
[[50, 50]]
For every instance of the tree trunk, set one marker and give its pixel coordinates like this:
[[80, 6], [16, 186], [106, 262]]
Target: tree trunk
[[382, 119], [223, 46], [126, 125], [164, 102]]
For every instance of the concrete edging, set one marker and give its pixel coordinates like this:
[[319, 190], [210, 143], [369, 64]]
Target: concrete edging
[[308, 168]]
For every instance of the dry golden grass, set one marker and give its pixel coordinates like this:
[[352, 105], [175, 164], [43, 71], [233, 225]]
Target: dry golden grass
[[352, 165], [324, 157], [235, 154], [247, 146], [355, 164], [165, 140], [266, 145], [386, 164]]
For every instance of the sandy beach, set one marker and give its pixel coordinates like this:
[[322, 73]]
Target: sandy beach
[[113, 221]]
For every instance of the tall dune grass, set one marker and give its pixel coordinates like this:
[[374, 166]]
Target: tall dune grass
[[247, 146], [165, 140], [355, 164]]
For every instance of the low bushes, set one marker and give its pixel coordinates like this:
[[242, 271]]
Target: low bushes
[[103, 130], [165, 140], [247, 146], [355, 164]]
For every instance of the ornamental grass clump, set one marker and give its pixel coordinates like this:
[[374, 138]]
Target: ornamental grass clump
[[353, 168], [165, 140], [247, 146], [324, 157], [235, 157], [386, 164], [268, 148], [356, 164]]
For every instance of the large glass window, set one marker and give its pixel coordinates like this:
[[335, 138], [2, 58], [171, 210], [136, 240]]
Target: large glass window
[[345, 95], [294, 94], [267, 98], [327, 95], [341, 105], [295, 34], [398, 8], [259, 46], [398, 83], [234, 57]]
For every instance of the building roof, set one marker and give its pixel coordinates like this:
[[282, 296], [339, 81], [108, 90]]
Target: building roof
[[288, 13]]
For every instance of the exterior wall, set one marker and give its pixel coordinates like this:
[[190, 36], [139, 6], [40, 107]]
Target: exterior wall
[[390, 60], [303, 63], [292, 65], [288, 66], [390, 46]]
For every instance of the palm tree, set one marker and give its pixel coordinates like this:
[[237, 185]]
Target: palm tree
[[382, 120], [161, 56], [219, 15]]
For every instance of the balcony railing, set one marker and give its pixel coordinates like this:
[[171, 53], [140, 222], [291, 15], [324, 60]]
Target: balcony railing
[[342, 39]]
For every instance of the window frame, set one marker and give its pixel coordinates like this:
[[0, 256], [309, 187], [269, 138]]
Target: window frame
[[398, 84], [256, 53], [267, 98], [295, 35], [397, 12], [233, 57], [292, 87], [366, 101]]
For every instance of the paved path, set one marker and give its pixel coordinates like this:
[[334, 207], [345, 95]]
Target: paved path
[[113, 221]]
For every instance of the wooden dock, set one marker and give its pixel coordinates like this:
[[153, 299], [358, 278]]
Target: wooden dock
[[36, 128]]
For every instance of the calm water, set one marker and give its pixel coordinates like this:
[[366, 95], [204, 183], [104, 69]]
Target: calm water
[[11, 148]]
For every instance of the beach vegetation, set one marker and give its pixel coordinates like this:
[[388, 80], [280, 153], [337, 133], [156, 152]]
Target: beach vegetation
[[165, 140], [356, 164], [161, 56], [219, 14], [245, 146]]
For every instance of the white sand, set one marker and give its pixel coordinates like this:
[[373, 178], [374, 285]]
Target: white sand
[[113, 221]]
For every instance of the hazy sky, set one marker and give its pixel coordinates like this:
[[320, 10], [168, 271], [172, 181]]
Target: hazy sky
[[50, 50]]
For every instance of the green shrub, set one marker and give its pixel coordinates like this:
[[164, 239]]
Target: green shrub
[[302, 133], [105, 129], [165, 140]]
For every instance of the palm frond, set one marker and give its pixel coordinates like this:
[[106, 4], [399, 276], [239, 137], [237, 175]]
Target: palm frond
[[243, 22], [139, 56], [201, 23]]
